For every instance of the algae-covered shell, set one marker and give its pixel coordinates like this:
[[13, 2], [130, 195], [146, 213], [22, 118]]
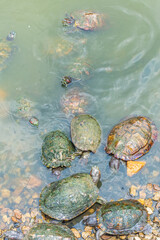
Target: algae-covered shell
[[132, 138], [57, 150], [122, 217], [85, 132], [69, 197], [50, 232]]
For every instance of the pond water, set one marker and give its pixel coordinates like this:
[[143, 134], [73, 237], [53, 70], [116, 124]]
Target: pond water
[[124, 81]]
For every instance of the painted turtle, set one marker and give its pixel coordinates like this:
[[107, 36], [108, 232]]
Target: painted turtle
[[85, 20], [131, 138], [6, 49], [85, 133], [50, 231], [57, 150], [120, 218], [71, 196]]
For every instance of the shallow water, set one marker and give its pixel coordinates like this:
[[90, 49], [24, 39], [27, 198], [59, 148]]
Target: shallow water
[[125, 60]]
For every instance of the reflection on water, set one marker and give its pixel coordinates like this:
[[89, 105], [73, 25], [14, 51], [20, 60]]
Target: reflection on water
[[124, 81]]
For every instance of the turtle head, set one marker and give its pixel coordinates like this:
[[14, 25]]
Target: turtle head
[[66, 80], [68, 21], [95, 174], [11, 36]]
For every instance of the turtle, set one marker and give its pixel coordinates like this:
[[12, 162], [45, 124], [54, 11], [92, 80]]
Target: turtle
[[85, 20], [50, 231], [74, 101], [120, 218], [131, 139], [69, 197], [57, 150], [6, 49], [85, 133]]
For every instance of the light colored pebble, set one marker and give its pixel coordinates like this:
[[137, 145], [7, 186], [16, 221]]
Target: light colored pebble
[[155, 173], [88, 229], [18, 199], [85, 234], [5, 218], [156, 196], [133, 191], [149, 210], [5, 193], [76, 233], [142, 194], [149, 187], [149, 236], [17, 213], [14, 219], [35, 195]]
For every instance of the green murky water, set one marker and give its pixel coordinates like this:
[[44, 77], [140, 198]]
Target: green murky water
[[125, 80]]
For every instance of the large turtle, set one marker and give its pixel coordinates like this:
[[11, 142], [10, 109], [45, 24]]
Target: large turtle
[[50, 232], [85, 133], [6, 49], [71, 196], [85, 20], [57, 150], [131, 138], [120, 218]]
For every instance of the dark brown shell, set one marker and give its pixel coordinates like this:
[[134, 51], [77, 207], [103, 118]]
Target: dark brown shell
[[132, 138]]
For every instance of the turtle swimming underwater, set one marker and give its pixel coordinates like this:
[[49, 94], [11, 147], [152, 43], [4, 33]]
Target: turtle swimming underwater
[[85, 20], [71, 196], [85, 133], [50, 231], [6, 49], [131, 139], [120, 218], [75, 101], [57, 150]]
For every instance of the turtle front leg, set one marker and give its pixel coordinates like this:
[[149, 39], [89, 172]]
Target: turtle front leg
[[101, 200]]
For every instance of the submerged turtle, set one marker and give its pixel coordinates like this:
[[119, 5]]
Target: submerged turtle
[[71, 196], [85, 20], [131, 139], [120, 218], [57, 150], [85, 133], [74, 101], [6, 49], [50, 231]]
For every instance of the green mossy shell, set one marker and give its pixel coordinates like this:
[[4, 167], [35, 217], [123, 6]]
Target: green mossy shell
[[5, 53], [131, 139], [85, 133], [50, 231], [69, 197], [122, 217], [57, 150]]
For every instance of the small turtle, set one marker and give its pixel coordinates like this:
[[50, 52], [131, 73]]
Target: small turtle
[[131, 139], [71, 196], [50, 231], [120, 218], [85, 133], [74, 101], [57, 150], [6, 49], [85, 20]]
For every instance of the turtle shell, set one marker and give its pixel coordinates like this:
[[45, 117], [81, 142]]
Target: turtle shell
[[57, 150], [131, 139], [122, 217], [85, 132], [5, 53], [74, 101], [50, 231], [80, 69], [69, 197], [88, 20]]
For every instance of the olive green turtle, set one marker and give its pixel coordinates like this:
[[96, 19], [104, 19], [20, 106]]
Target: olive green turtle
[[57, 150], [120, 218], [85, 133], [71, 196], [6, 49], [131, 138], [50, 231]]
